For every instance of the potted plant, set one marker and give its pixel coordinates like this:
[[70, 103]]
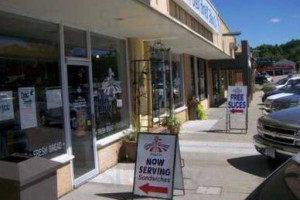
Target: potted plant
[[172, 124], [128, 149], [196, 110]]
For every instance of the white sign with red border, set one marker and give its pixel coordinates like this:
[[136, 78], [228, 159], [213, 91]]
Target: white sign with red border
[[155, 164], [237, 100]]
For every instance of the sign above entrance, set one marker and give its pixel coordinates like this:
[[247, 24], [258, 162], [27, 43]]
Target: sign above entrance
[[155, 165], [237, 99], [204, 10]]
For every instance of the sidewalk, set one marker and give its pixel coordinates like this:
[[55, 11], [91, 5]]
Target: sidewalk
[[218, 165]]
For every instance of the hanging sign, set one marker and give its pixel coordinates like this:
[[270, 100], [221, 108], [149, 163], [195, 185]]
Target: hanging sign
[[237, 100], [6, 106], [204, 10], [27, 107], [155, 165]]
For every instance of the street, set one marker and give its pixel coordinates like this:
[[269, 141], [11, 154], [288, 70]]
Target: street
[[219, 165]]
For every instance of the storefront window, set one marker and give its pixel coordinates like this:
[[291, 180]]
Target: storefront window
[[201, 79], [109, 83], [75, 43], [31, 113], [159, 87], [193, 88], [216, 82], [177, 81]]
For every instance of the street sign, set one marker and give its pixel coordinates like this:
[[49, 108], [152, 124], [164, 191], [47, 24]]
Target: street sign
[[237, 100], [155, 165]]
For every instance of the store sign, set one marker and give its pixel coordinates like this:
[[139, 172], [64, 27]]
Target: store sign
[[51, 148], [204, 10], [155, 165], [27, 107], [6, 106], [237, 100]]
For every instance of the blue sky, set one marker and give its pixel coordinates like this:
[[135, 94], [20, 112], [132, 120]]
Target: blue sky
[[262, 21]]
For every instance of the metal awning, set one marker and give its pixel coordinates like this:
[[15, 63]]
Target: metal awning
[[121, 19]]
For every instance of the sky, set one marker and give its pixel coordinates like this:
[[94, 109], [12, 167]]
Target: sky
[[261, 21]]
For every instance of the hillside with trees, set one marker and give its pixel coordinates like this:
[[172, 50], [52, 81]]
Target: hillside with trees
[[289, 50]]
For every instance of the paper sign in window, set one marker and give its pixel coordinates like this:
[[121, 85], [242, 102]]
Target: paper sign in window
[[27, 107], [6, 106]]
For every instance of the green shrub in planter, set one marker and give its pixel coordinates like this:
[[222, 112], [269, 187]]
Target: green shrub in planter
[[172, 124]]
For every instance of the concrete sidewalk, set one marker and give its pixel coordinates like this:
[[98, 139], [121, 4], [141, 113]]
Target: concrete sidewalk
[[218, 165]]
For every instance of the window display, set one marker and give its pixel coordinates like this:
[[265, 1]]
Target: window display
[[109, 78], [202, 79], [177, 81], [159, 87], [31, 114]]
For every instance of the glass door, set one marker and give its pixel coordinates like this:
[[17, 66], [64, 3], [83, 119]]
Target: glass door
[[81, 117]]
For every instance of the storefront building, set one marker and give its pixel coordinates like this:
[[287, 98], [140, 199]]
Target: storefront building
[[282, 67], [74, 74], [239, 71]]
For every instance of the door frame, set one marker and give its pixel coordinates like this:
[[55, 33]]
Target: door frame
[[83, 62]]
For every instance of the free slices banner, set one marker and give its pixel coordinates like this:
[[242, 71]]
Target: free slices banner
[[6, 106], [237, 100], [27, 107]]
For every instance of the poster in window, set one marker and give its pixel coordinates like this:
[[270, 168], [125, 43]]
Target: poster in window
[[53, 97], [6, 106], [27, 107], [80, 108]]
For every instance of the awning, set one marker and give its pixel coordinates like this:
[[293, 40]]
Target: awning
[[119, 18]]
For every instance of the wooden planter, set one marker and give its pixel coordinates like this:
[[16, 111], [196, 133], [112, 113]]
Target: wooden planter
[[173, 130], [129, 148]]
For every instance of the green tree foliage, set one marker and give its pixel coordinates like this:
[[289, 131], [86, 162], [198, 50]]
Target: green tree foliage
[[289, 50]]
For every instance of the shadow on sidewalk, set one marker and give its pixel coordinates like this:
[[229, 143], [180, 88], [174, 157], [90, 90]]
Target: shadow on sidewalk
[[258, 165], [120, 196], [225, 132]]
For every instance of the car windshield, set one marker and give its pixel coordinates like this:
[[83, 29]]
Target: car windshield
[[282, 81], [292, 86], [284, 184]]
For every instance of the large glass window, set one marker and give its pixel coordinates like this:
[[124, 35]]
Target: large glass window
[[109, 78], [201, 79], [31, 113], [159, 87], [193, 87], [177, 81]]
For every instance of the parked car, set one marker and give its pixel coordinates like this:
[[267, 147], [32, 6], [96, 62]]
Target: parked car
[[289, 87], [286, 81], [274, 86], [279, 133], [288, 91], [282, 82], [285, 102], [282, 184], [269, 101], [261, 79]]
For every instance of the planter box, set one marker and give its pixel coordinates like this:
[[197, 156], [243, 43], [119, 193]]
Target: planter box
[[128, 151]]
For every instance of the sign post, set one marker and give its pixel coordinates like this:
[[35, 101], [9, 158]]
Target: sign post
[[155, 165], [237, 104]]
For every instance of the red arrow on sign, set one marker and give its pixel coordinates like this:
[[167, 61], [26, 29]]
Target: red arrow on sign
[[236, 111], [147, 188]]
